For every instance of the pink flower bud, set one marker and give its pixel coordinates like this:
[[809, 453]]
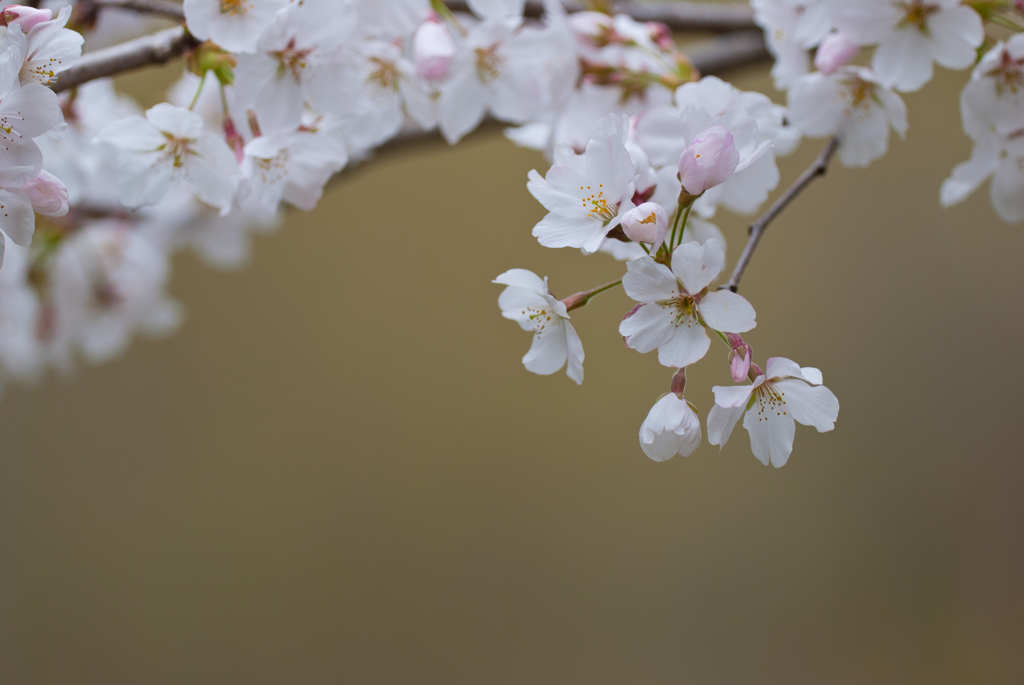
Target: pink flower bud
[[739, 358], [834, 52], [433, 50], [646, 223], [25, 17], [709, 161], [48, 195]]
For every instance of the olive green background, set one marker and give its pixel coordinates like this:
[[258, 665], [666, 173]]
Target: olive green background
[[339, 472]]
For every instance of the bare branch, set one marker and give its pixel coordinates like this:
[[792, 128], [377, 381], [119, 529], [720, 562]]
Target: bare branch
[[158, 48], [728, 51], [679, 16], [758, 228], [165, 8]]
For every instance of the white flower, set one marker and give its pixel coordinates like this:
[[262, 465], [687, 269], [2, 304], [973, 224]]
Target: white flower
[[587, 195], [298, 62], [25, 113], [852, 104], [784, 393], [834, 52], [168, 148], [791, 28], [433, 50], [671, 428], [911, 34], [527, 301], [292, 166], [21, 355], [108, 283], [646, 224], [501, 67], [677, 306], [46, 48], [44, 194], [234, 25], [709, 160]]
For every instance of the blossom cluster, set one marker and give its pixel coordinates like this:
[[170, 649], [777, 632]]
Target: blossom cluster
[[278, 96]]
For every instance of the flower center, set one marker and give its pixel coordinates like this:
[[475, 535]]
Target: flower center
[[175, 149], [235, 6], [273, 170], [768, 400], [385, 74], [539, 318], [685, 310], [598, 205], [916, 13], [488, 64], [293, 59], [1010, 75]]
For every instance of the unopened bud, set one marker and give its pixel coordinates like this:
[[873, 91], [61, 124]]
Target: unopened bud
[[646, 223], [48, 195], [709, 160], [209, 57], [834, 52], [433, 50], [25, 17], [592, 26]]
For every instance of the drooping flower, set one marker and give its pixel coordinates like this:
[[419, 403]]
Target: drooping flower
[[586, 195], [780, 396], [528, 302], [234, 25], [676, 305], [852, 104], [672, 427], [167, 148], [910, 35]]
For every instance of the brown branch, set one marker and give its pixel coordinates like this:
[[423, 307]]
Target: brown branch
[[679, 16], [165, 8], [758, 228], [158, 48]]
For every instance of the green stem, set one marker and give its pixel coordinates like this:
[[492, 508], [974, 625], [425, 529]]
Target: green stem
[[199, 91], [682, 229], [446, 14], [581, 299]]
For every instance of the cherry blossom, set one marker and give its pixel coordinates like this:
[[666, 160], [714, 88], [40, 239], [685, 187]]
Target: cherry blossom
[[910, 35], [292, 166], [46, 47], [676, 305], [852, 104], [528, 302], [672, 427], [586, 195], [778, 398], [234, 25], [169, 147], [646, 224], [792, 27]]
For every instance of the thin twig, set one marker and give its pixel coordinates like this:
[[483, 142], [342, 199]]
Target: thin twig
[[758, 228], [679, 16], [165, 8], [158, 48]]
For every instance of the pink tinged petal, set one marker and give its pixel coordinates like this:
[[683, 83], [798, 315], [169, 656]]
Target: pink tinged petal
[[48, 195], [549, 350], [721, 421], [24, 17], [903, 61], [688, 344], [646, 223], [727, 312], [697, 265], [771, 435], [739, 364], [574, 366], [956, 34], [433, 50], [834, 52], [708, 161], [17, 219], [648, 328], [811, 405], [648, 281]]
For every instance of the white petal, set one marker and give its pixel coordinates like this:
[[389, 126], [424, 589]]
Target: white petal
[[574, 368], [521, 278], [956, 34], [549, 350], [688, 344], [648, 281], [728, 312], [648, 328], [771, 435], [903, 61], [697, 265], [721, 421], [17, 219], [811, 405]]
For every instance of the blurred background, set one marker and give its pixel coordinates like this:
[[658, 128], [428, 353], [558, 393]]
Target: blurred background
[[339, 472]]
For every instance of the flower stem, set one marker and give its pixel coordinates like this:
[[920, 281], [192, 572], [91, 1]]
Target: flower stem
[[581, 299], [199, 91]]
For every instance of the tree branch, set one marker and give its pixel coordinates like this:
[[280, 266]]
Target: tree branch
[[679, 16], [165, 8], [758, 228], [158, 48]]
